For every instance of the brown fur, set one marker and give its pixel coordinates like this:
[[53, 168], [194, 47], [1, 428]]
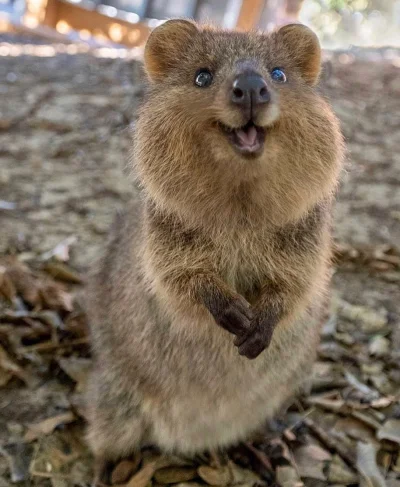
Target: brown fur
[[219, 239]]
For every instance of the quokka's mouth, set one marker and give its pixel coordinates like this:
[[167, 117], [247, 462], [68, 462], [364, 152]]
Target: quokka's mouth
[[248, 139]]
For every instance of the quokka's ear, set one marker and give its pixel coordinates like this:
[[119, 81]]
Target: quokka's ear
[[165, 46], [304, 49]]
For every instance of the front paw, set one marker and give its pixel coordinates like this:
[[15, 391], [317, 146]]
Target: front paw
[[258, 338], [235, 316]]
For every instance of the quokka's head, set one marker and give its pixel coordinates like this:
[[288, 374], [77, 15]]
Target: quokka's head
[[242, 103]]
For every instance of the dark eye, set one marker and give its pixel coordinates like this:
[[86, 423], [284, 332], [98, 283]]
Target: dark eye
[[278, 75], [203, 78]]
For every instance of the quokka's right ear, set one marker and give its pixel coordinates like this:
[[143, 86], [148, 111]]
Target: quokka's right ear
[[165, 46]]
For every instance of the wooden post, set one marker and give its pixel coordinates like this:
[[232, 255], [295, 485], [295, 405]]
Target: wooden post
[[250, 14]]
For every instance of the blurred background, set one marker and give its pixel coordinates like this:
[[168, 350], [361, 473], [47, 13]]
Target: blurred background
[[71, 81], [339, 23]]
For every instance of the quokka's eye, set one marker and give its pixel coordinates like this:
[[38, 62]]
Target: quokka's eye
[[203, 78], [278, 75]]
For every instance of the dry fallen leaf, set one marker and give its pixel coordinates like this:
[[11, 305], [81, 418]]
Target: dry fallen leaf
[[47, 426], [55, 298], [215, 475], [9, 366], [310, 461], [78, 369], [175, 475], [288, 477], [390, 430], [7, 288], [23, 281], [242, 475], [5, 377], [143, 477], [124, 470], [367, 466], [340, 473], [62, 272]]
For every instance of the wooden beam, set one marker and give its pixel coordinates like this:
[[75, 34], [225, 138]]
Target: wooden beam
[[66, 17], [250, 14]]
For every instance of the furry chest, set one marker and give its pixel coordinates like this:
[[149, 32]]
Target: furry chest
[[245, 267]]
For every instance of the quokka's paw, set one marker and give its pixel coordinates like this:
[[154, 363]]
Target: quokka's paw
[[236, 316], [258, 338]]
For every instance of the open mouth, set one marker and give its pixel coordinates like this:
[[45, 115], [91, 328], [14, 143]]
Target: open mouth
[[248, 140]]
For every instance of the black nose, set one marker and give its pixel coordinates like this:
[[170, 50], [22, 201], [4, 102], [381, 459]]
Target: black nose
[[249, 90]]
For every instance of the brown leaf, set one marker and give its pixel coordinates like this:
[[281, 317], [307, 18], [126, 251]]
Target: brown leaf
[[354, 428], [7, 288], [5, 377], [8, 365], [62, 272], [310, 461], [47, 426], [125, 469], [334, 405], [78, 369], [382, 402], [24, 282], [175, 475], [143, 477], [54, 297], [215, 476]]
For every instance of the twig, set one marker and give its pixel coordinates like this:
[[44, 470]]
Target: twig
[[44, 347], [261, 457], [49, 475], [331, 443]]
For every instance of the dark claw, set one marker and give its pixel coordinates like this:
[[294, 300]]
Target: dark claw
[[236, 317], [257, 340]]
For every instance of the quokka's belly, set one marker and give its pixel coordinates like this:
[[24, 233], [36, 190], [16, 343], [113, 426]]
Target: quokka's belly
[[195, 418]]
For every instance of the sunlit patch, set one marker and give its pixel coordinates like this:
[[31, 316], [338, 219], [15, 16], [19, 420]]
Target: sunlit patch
[[63, 27], [44, 50], [116, 32], [31, 20]]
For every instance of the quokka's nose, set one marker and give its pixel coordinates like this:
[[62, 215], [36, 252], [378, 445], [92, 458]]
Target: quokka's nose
[[249, 90]]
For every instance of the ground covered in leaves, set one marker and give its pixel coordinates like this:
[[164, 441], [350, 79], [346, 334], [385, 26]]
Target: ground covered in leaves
[[64, 142]]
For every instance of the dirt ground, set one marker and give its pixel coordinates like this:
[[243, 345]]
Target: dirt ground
[[65, 124]]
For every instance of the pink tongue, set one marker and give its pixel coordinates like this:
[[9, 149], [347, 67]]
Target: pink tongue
[[247, 137]]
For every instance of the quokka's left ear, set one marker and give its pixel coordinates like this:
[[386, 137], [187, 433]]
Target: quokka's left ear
[[304, 49]]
